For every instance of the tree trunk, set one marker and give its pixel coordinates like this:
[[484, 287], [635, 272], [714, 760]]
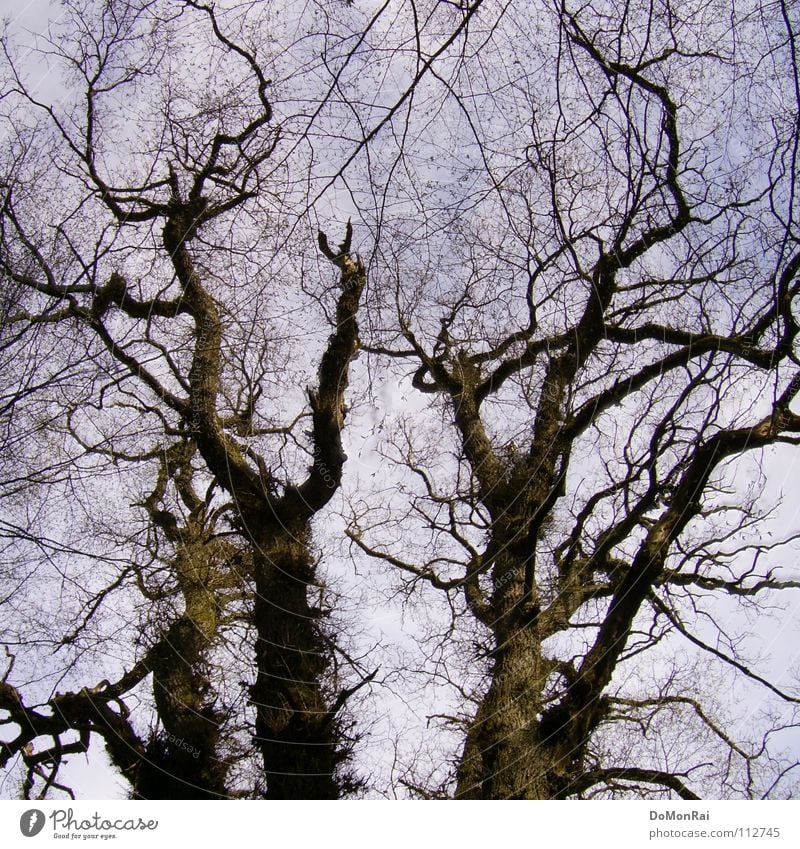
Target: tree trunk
[[295, 729], [182, 760], [502, 756]]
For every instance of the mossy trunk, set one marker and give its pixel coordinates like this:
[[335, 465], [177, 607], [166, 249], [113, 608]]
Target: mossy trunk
[[295, 730], [182, 760], [502, 756]]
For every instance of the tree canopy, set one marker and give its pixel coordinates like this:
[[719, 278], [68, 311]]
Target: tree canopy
[[400, 398]]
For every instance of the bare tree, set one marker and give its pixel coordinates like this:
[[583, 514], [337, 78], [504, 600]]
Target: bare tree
[[167, 298], [581, 231], [177, 385], [603, 313]]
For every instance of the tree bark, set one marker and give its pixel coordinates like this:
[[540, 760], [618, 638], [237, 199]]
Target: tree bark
[[295, 730]]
